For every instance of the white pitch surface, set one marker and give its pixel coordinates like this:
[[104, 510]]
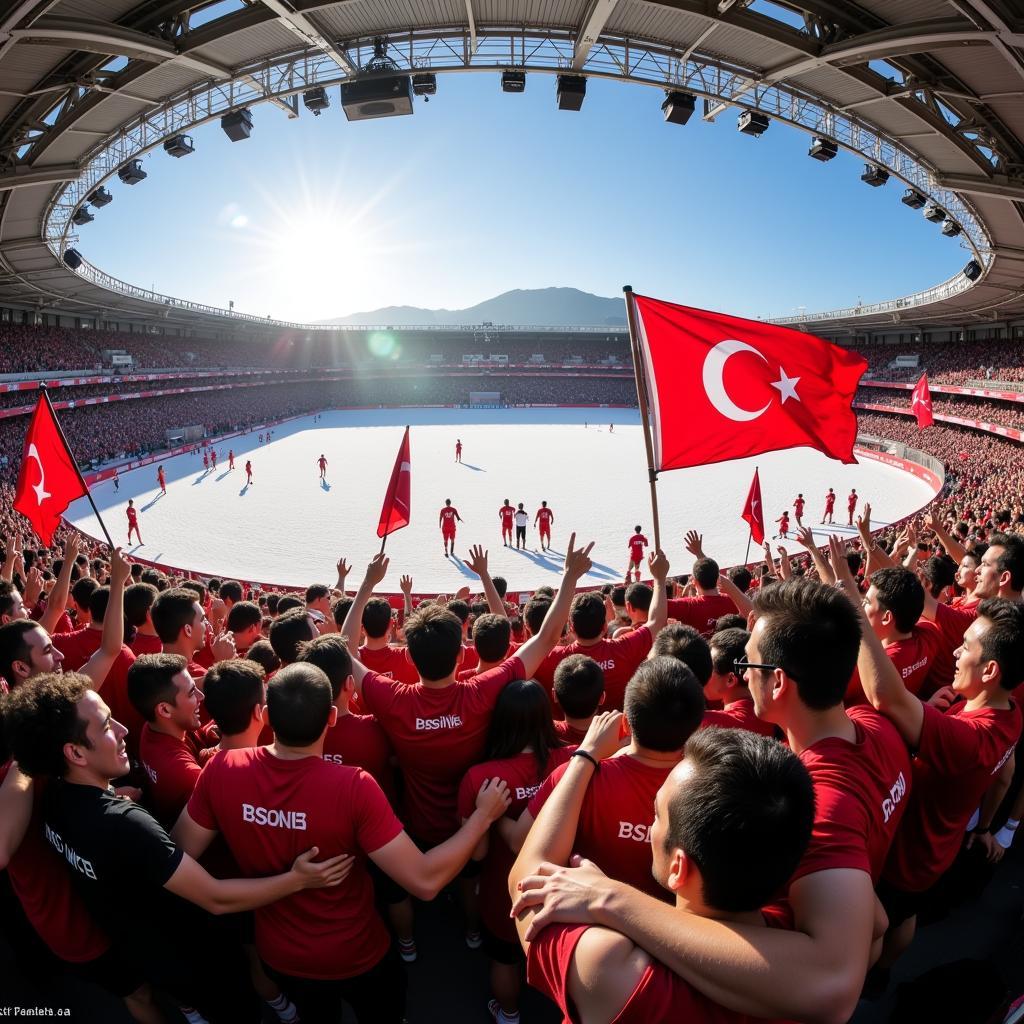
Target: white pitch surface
[[290, 530]]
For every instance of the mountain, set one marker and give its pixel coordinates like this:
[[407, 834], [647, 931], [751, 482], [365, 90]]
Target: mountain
[[523, 307]]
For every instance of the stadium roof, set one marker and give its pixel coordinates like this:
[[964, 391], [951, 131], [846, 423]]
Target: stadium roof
[[930, 90]]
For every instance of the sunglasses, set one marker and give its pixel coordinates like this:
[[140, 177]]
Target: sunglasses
[[739, 666]]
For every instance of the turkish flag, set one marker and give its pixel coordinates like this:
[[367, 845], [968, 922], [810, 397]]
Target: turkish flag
[[753, 511], [921, 403], [49, 479], [724, 388], [395, 513]]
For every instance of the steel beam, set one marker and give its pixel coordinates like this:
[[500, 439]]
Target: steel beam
[[594, 21], [22, 177], [301, 26]]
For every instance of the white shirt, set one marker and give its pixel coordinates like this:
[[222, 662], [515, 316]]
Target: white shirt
[[522, 519]]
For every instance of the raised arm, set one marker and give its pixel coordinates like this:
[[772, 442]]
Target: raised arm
[[405, 585], [57, 599], [375, 573], [477, 562], [112, 639], [657, 614], [744, 606], [13, 546], [953, 547], [15, 813], [343, 570], [806, 537]]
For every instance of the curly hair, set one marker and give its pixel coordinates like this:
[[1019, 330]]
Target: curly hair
[[40, 716]]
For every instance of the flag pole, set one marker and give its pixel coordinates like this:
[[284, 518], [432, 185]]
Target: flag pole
[[74, 462], [641, 394]]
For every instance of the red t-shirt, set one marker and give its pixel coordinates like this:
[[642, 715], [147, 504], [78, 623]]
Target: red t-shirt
[[389, 661], [437, 734], [507, 513], [830, 502], [660, 995], [959, 754], [145, 644], [171, 774], [618, 657], [860, 792], [851, 502], [523, 779], [269, 810], [133, 517], [568, 733], [798, 506], [739, 715], [616, 819], [952, 621], [637, 543], [701, 612], [43, 886], [448, 515], [360, 742], [913, 657], [545, 515]]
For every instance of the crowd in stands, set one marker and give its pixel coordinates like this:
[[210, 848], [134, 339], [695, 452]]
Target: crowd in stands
[[955, 362], [1008, 414]]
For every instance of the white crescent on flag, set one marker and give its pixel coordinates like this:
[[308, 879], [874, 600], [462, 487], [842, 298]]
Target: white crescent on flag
[[41, 493]]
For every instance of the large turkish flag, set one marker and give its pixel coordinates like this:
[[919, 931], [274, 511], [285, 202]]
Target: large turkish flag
[[724, 388], [49, 479]]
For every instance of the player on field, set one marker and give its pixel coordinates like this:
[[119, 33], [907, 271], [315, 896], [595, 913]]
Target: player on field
[[161, 479], [446, 519], [213, 458], [830, 504], [322, 463], [783, 522], [133, 521], [458, 450], [248, 472], [851, 504], [637, 543], [231, 458], [522, 521], [544, 517], [507, 516], [798, 509], [117, 481], [206, 461]]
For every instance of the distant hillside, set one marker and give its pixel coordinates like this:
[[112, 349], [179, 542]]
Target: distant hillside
[[536, 307]]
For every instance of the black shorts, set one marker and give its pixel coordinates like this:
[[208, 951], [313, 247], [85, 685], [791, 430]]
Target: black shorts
[[521, 534], [900, 905], [499, 950]]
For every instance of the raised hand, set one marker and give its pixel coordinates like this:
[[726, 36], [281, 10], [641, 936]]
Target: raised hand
[[405, 585], [577, 561], [657, 562], [343, 569], [377, 569], [223, 647], [694, 542], [477, 561], [864, 520], [33, 587], [805, 536], [462, 594], [841, 567], [120, 567]]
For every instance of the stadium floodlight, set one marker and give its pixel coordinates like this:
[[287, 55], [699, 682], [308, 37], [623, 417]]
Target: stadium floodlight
[[935, 214], [570, 92], [972, 272], [424, 85], [823, 149], [950, 228], [913, 199], [179, 146], [752, 122], [874, 175], [513, 81], [237, 125], [132, 173], [678, 107], [316, 101], [82, 216], [100, 197], [72, 259]]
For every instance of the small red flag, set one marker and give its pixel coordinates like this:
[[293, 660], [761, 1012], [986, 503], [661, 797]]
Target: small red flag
[[724, 388], [395, 513], [753, 511], [921, 403], [49, 479]]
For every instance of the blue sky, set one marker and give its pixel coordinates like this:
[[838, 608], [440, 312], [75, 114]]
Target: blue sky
[[480, 192]]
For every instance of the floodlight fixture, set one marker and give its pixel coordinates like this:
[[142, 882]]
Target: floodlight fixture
[[823, 149], [752, 122], [913, 199], [237, 124], [570, 91], [934, 213], [72, 259], [874, 175], [132, 173], [424, 85], [179, 146], [678, 107], [316, 101], [100, 197], [972, 272], [82, 216], [513, 81], [950, 228]]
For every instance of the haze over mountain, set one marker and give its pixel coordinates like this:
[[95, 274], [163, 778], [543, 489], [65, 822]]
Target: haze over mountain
[[523, 307]]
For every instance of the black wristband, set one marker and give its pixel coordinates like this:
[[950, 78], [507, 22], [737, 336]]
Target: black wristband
[[589, 757]]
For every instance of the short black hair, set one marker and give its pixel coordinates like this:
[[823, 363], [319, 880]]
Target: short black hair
[[460, 609], [500, 585], [82, 591], [741, 576], [534, 613], [288, 603], [263, 654], [727, 646], [272, 600], [172, 611], [139, 598], [1012, 558], [244, 615], [731, 621], [639, 595], [687, 645], [433, 636], [899, 592], [299, 703], [340, 610], [330, 654], [579, 683], [705, 572], [938, 572], [664, 704], [14, 646], [98, 604], [315, 591], [151, 682], [230, 590], [744, 817], [491, 636], [231, 689], [1003, 641], [7, 596], [618, 595], [587, 616], [813, 632], [289, 630], [40, 716], [197, 588], [376, 618]]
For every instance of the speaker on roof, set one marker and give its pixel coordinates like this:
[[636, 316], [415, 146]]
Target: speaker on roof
[[972, 272], [678, 107], [386, 96], [237, 125], [570, 92], [72, 259]]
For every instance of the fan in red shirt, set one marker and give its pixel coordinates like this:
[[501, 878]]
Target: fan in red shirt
[[166, 696], [664, 706], [446, 519], [507, 515], [579, 692], [733, 794], [636, 545], [376, 653], [620, 655], [799, 659], [729, 689], [704, 610], [521, 751], [798, 509], [133, 522], [544, 518], [269, 801], [830, 505]]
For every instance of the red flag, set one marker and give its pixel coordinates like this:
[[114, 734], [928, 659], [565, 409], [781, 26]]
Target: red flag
[[395, 513], [921, 403], [753, 511], [724, 388], [49, 479]]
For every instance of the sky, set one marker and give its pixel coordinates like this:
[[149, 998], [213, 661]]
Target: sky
[[480, 192]]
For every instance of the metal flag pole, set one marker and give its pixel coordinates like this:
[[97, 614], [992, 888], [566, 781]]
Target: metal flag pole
[[74, 462], [641, 394]]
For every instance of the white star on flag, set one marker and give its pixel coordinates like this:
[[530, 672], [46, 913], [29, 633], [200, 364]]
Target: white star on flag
[[786, 386]]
